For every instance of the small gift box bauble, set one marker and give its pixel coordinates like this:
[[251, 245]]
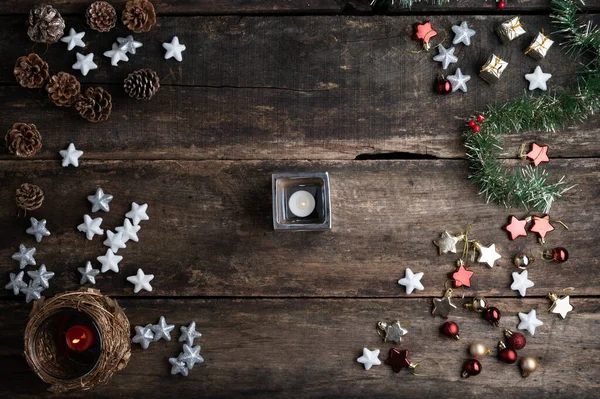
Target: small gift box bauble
[[510, 30], [539, 47], [492, 69]]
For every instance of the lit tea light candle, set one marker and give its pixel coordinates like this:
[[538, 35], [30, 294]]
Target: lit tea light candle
[[79, 338], [302, 203]]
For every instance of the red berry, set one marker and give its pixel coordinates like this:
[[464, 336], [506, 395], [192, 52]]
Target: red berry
[[470, 368], [508, 355], [476, 128], [450, 329], [480, 118], [515, 340], [492, 315], [472, 123], [501, 5]]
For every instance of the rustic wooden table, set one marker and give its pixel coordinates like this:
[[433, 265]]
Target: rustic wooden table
[[271, 86]]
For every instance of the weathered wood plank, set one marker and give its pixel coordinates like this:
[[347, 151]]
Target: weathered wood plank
[[307, 348], [210, 232]]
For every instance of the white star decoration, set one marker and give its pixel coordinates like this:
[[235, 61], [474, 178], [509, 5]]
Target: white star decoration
[[137, 213], [38, 229], [24, 256], [412, 281], [141, 281], [91, 227], [369, 358], [129, 231], [110, 261], [174, 49], [445, 56], [459, 81], [529, 322], [85, 63], [70, 156], [462, 34], [74, 39], [561, 306], [128, 45], [488, 255], [114, 241], [538, 79], [521, 282], [116, 55]]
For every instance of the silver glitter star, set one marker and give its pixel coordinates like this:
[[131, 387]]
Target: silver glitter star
[[189, 333], [128, 45], [38, 229], [178, 367], [24, 256], [41, 276], [88, 274], [446, 243], [190, 356], [162, 329], [462, 34], [445, 56], [392, 331], [143, 336], [100, 200], [442, 306], [32, 292], [16, 283]]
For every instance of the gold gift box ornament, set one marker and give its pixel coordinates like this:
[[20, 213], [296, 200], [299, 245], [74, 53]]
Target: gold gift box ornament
[[539, 47], [492, 69], [511, 29]]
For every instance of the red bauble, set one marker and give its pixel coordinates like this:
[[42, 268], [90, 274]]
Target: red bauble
[[443, 86], [470, 368], [559, 255], [515, 339], [472, 123], [502, 4], [508, 355], [480, 118], [450, 329], [476, 129], [492, 315]]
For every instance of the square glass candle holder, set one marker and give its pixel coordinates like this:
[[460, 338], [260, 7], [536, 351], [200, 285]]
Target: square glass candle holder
[[300, 188]]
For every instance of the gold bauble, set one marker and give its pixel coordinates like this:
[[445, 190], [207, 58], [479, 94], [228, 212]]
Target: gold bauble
[[528, 365]]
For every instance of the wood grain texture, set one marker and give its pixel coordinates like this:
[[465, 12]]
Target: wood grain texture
[[210, 231], [307, 348]]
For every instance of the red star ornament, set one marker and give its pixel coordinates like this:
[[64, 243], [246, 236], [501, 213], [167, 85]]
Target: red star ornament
[[398, 359], [542, 226], [516, 228], [462, 277], [425, 32], [538, 154]]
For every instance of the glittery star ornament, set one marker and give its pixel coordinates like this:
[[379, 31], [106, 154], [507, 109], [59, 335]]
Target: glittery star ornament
[[174, 49], [100, 201], [445, 56], [369, 358], [190, 356], [538, 154], [128, 44], [391, 332], [32, 292], [538, 79], [542, 226], [16, 282], [560, 306], [41, 276], [141, 281], [114, 241], [38, 229], [85, 63], [516, 228], [412, 281], [398, 359], [446, 243], [178, 367], [462, 277], [116, 54], [425, 33], [110, 261], [143, 336], [129, 231], [529, 322], [24, 256], [70, 156], [521, 282], [488, 255], [462, 34], [137, 213], [91, 227], [458, 81], [88, 274], [162, 330], [189, 333], [74, 39], [443, 306]]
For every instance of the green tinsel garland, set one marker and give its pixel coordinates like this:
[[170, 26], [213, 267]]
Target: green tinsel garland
[[528, 187]]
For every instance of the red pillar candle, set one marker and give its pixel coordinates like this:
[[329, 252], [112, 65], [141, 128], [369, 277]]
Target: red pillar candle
[[79, 338]]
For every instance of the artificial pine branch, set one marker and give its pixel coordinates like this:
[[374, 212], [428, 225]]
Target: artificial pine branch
[[378, 4]]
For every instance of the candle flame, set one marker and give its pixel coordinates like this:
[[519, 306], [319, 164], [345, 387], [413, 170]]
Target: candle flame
[[75, 341]]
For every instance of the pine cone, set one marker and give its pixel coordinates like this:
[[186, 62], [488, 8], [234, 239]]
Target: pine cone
[[95, 104], [142, 84], [23, 140], [45, 24], [101, 16], [63, 89], [29, 197], [139, 15], [31, 71]]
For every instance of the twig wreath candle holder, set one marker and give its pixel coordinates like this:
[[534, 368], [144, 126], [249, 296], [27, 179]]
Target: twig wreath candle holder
[[77, 340], [301, 201]]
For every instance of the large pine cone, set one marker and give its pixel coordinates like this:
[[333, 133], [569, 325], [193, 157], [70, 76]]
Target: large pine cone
[[142, 84], [23, 140], [29, 197], [63, 89], [45, 24], [95, 104], [139, 15], [101, 16], [31, 71]]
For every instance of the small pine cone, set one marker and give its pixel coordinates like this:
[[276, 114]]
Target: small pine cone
[[23, 140], [45, 24], [63, 89], [31, 71], [142, 84], [139, 15], [95, 104], [29, 197], [101, 16]]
